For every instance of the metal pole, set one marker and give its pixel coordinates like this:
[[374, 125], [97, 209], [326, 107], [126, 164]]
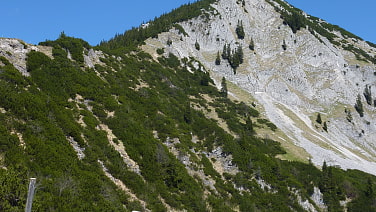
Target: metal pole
[[30, 195]]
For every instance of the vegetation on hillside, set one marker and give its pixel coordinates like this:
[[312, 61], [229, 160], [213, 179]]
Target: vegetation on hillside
[[234, 56], [240, 30], [72, 46], [130, 39], [152, 102]]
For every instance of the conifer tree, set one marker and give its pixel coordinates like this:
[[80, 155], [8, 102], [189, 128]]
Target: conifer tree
[[225, 55], [325, 178], [239, 52], [284, 46], [218, 59], [234, 57], [368, 95], [224, 87], [234, 60], [228, 51], [324, 167], [318, 119], [240, 30], [252, 45], [197, 46], [359, 106], [325, 127], [62, 35]]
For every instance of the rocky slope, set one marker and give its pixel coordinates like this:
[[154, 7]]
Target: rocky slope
[[292, 85]]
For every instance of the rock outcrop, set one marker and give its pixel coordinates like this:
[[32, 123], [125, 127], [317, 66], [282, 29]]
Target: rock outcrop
[[16, 51]]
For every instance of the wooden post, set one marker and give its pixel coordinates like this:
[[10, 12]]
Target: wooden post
[[30, 195]]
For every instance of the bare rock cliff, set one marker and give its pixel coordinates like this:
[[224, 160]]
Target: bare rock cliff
[[293, 76]]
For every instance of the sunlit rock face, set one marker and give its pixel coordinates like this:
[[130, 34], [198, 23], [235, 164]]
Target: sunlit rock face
[[293, 77]]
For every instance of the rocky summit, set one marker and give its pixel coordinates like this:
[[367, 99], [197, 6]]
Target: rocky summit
[[292, 76], [219, 105]]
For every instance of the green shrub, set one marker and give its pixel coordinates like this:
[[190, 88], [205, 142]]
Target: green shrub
[[36, 60], [4, 60], [180, 29], [74, 45], [160, 51]]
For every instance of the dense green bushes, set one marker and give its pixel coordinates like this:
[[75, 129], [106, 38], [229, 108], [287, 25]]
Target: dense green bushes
[[152, 102], [74, 46]]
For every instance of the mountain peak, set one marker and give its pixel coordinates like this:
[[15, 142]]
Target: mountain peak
[[299, 66]]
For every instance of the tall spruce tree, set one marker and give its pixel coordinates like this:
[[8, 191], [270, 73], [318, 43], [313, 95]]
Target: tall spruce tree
[[228, 51], [225, 54], [240, 30], [359, 106], [224, 87], [239, 52], [236, 58], [368, 95]]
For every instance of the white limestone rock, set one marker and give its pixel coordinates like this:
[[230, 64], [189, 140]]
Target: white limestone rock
[[292, 85]]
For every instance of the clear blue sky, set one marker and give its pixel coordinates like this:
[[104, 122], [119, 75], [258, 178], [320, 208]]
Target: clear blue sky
[[37, 20], [356, 16]]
